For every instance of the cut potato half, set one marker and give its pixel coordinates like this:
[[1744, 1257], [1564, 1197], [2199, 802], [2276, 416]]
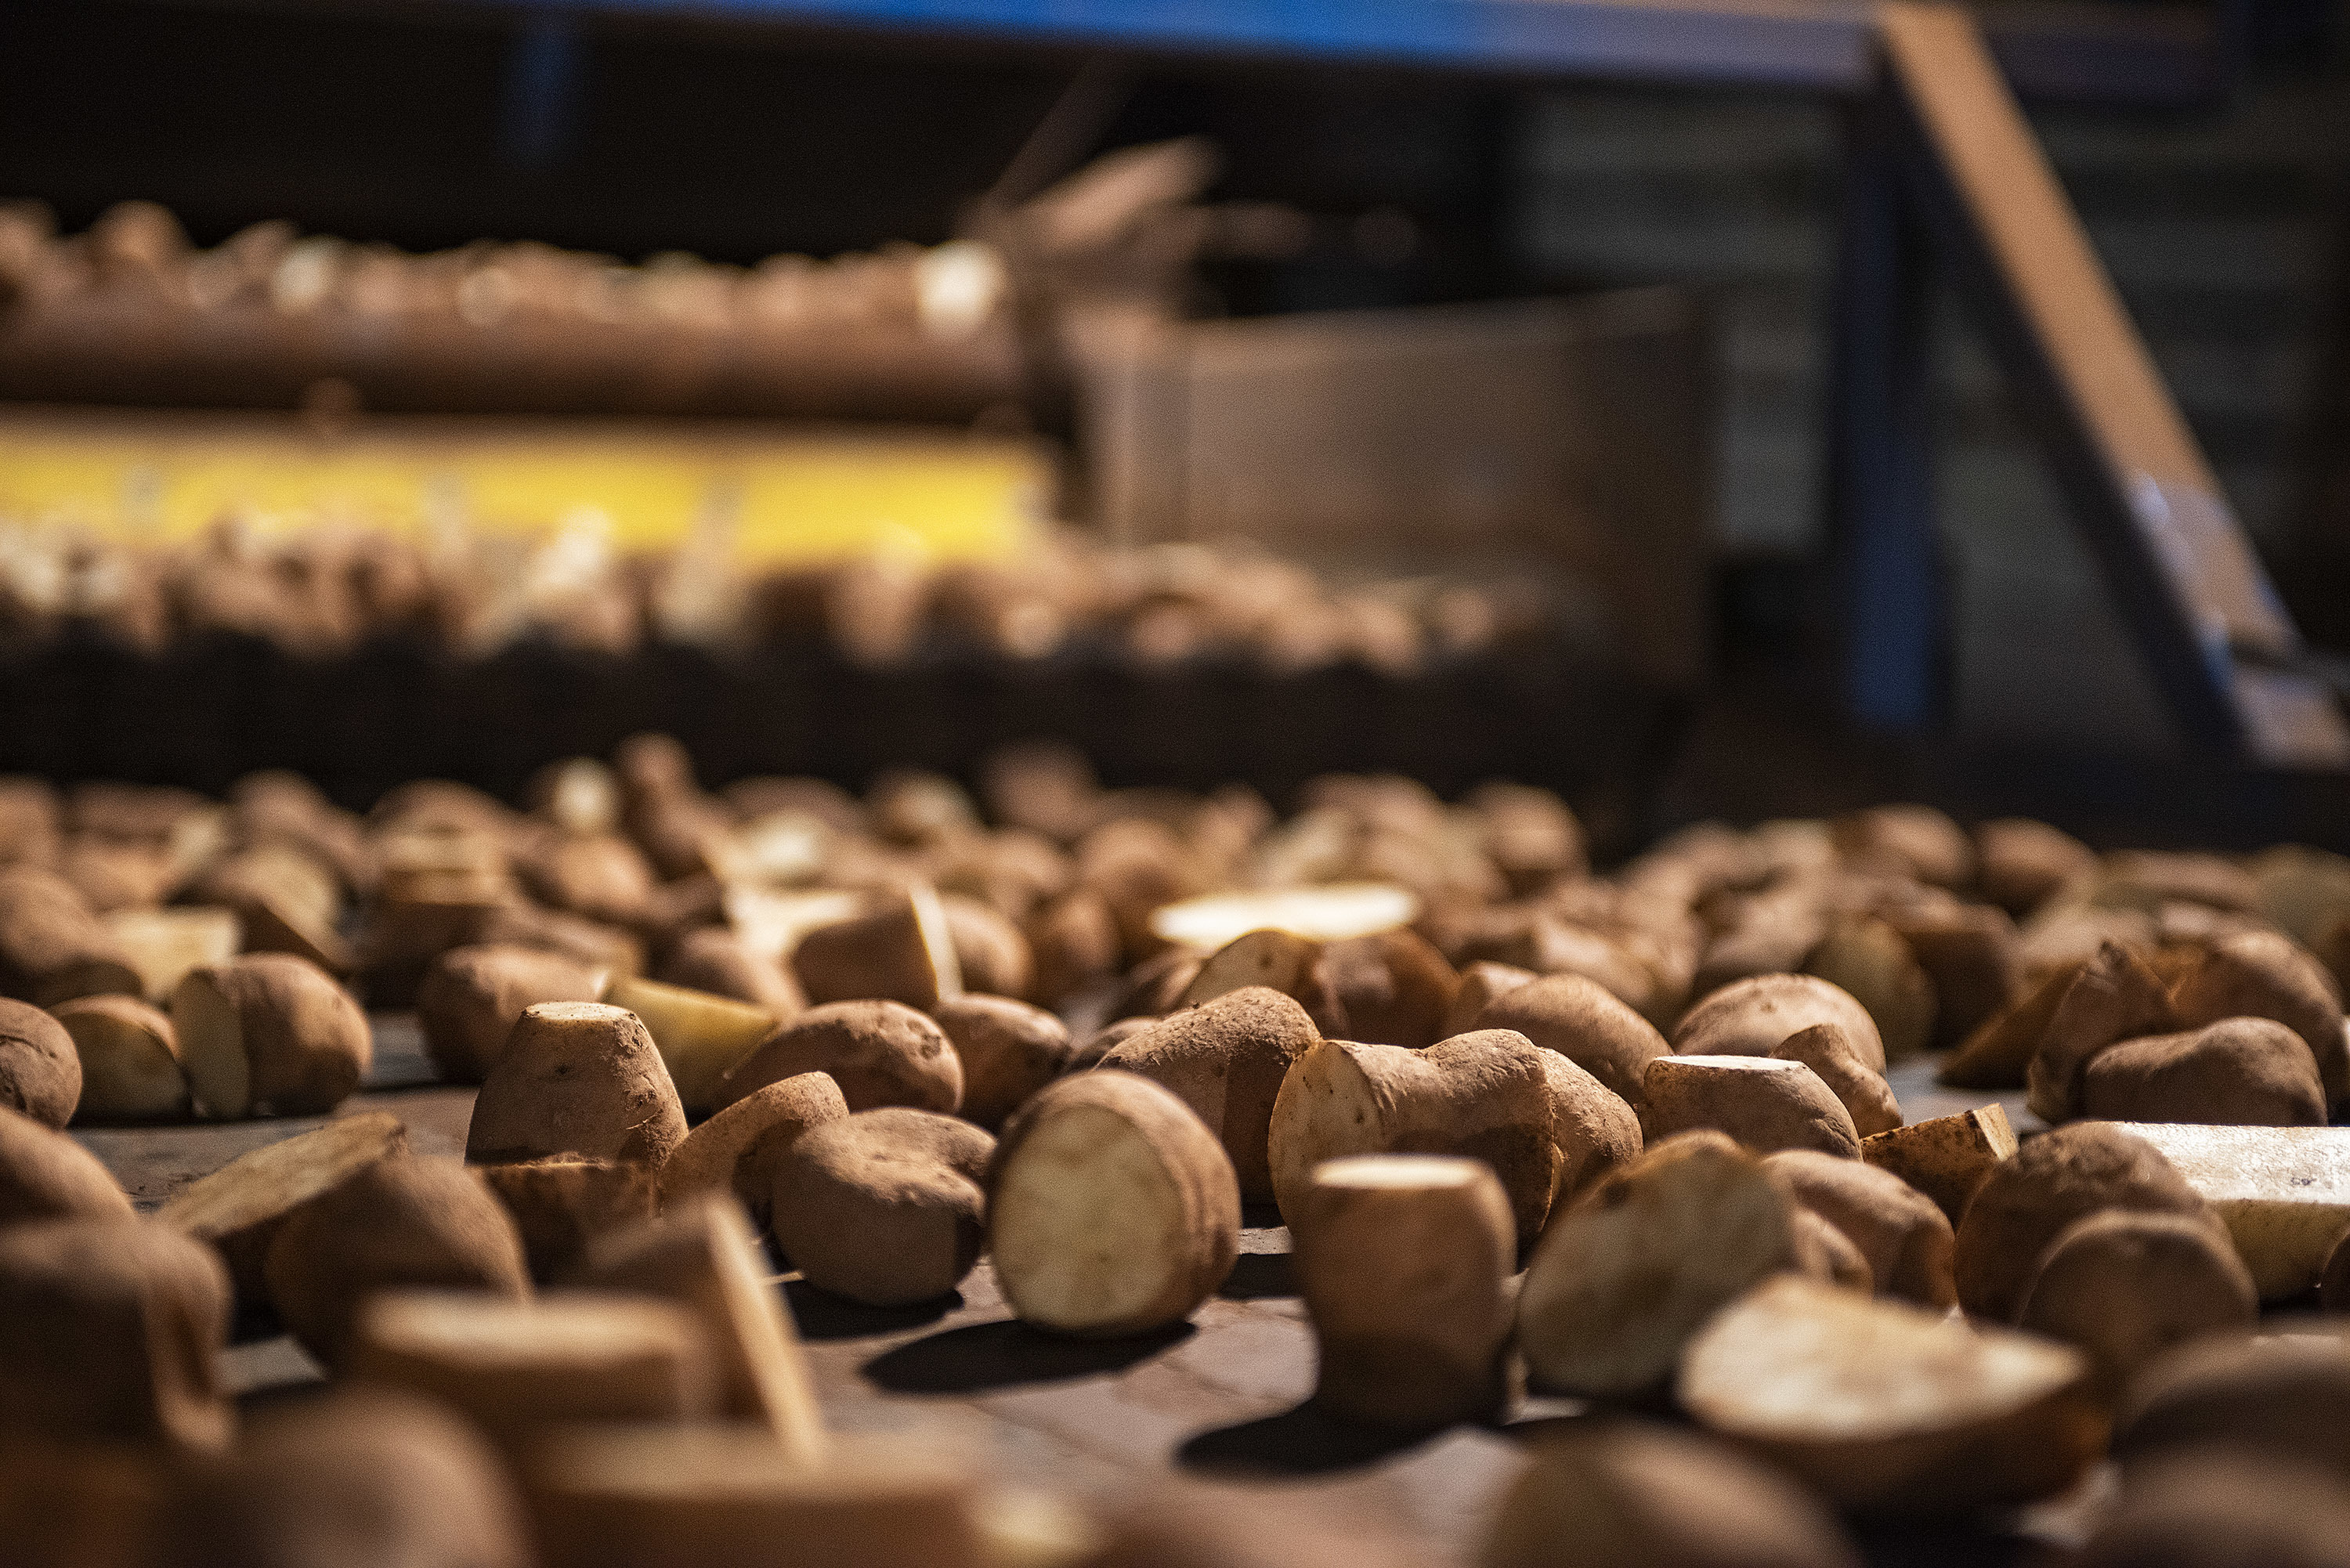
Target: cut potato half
[[1332, 913], [2283, 1192], [163, 945]]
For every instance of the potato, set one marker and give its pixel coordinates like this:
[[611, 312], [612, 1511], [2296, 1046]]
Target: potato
[[2277, 1397], [561, 1203], [901, 951], [1999, 1052], [1905, 1240], [717, 959], [399, 1220], [1156, 986], [1885, 1408], [579, 795], [1620, 1282], [2246, 1072], [1280, 961], [2283, 1192], [269, 1034], [1229, 1060], [471, 998], [2114, 997], [881, 1053], [40, 1070], [1831, 1055], [1583, 1021], [622, 1497], [2021, 864], [1911, 840], [1325, 912], [515, 1368], [2122, 1288], [238, 1208], [1945, 1158], [1112, 1209], [45, 1175], [1008, 1050], [736, 1150], [1391, 988], [701, 1036], [1863, 955], [52, 948], [1749, 1017], [366, 1479], [162, 945], [115, 1332], [1402, 1260], [1481, 981], [1619, 1491], [1593, 1130], [1073, 940], [2029, 1199], [702, 1255], [1969, 950], [577, 1078], [991, 955], [600, 876], [884, 1207], [1485, 1096], [129, 1057], [2266, 974], [1765, 1103], [2214, 1508]]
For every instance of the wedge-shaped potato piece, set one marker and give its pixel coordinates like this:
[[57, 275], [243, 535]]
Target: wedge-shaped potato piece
[[898, 951], [517, 1368], [1594, 1131], [884, 1207], [129, 1060], [1112, 1209], [1009, 1050], [1625, 1276], [1402, 1260], [1829, 1051], [1229, 1060], [703, 1256], [1329, 912], [2249, 1072], [269, 1034], [471, 998], [2122, 1288], [2283, 1192], [400, 1222], [115, 1330], [1945, 1158], [577, 1078], [1998, 1053], [238, 1208], [1582, 1020], [702, 1036], [736, 1150], [1889, 1409], [1485, 1096], [2279, 1397], [1765, 1103], [1751, 1016], [624, 1497], [1904, 1239], [1623, 1492], [562, 1203], [881, 1053], [163, 945], [40, 1070], [2113, 997]]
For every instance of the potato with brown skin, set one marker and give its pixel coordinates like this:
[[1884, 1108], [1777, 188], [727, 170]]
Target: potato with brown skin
[[2027, 1201], [1999, 1052], [1584, 1022], [2021, 864], [40, 1070], [1228, 1060], [269, 1034], [1481, 981], [1888, 1409], [1865, 956], [577, 1078], [1623, 1279], [1281, 961], [1073, 939], [1752, 1016], [1906, 1242], [52, 948], [400, 1222], [1765, 1103], [237, 1209], [1485, 1096], [1392, 988], [1618, 1491], [715, 958], [45, 1175], [1825, 1253], [1594, 1131], [1969, 950], [901, 951], [561, 1203], [359, 1478], [2242, 1072], [2122, 1288], [2217, 1508], [1830, 1054], [600, 876], [736, 1150], [471, 999], [1913, 840], [1112, 1209], [1009, 1050], [881, 1053], [884, 1207], [1945, 1158], [115, 1332], [2114, 997], [129, 1057], [991, 955], [2266, 974], [2278, 1397]]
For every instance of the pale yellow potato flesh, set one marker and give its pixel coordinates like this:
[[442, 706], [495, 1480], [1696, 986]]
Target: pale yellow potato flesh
[[1086, 1223], [771, 924], [701, 1035], [1329, 914], [2283, 1192], [163, 945], [212, 1047]]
